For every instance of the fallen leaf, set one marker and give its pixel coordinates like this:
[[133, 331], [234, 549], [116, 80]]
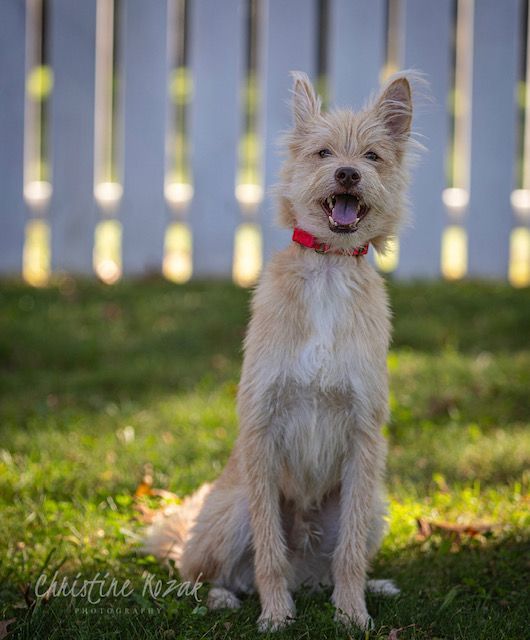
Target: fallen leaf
[[143, 489], [427, 528], [424, 528]]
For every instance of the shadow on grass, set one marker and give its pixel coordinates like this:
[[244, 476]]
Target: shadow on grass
[[474, 592], [138, 338]]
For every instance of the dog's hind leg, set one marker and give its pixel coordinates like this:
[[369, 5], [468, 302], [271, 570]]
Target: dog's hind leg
[[221, 598], [219, 549]]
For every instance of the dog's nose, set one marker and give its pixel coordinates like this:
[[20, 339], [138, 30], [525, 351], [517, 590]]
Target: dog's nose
[[347, 176]]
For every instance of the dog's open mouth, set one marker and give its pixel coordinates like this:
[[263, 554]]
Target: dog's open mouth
[[344, 212]]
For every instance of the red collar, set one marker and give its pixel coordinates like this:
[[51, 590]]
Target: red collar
[[308, 240]]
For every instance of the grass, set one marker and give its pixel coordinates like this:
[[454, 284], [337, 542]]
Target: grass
[[101, 387]]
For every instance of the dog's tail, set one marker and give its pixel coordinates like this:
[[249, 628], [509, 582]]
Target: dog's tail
[[166, 537]]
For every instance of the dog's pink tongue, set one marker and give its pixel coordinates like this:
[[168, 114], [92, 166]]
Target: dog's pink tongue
[[345, 209]]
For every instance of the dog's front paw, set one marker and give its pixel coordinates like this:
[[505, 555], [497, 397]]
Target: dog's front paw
[[356, 618], [269, 624], [351, 611], [276, 618]]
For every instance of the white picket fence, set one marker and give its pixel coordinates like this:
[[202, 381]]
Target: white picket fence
[[487, 200]]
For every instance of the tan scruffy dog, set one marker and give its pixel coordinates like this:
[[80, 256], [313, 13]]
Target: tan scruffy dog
[[300, 501]]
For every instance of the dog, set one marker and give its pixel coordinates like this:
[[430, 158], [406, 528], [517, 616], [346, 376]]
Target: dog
[[301, 500]]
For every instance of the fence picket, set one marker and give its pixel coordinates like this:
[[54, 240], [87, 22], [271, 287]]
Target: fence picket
[[12, 76], [145, 76], [493, 145], [289, 31], [290, 37], [428, 27], [216, 56], [356, 50], [72, 208]]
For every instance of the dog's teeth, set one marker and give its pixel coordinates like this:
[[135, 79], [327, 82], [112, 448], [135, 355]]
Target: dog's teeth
[[331, 202], [332, 221]]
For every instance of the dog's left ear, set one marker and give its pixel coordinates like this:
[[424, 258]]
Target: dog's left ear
[[306, 103], [394, 107]]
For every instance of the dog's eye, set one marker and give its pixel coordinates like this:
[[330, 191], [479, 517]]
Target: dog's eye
[[371, 155], [324, 153]]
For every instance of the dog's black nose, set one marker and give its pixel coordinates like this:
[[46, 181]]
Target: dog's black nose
[[347, 176]]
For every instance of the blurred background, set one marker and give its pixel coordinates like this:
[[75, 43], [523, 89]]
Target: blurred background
[[137, 151], [140, 137]]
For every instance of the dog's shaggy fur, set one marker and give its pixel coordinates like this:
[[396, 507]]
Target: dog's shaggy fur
[[300, 501]]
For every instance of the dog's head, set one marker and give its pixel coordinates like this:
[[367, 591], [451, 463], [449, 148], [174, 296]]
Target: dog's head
[[345, 176]]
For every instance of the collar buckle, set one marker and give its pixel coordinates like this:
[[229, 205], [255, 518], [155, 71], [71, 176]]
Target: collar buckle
[[321, 248]]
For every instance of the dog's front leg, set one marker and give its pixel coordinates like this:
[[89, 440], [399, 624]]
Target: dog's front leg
[[361, 473], [270, 552]]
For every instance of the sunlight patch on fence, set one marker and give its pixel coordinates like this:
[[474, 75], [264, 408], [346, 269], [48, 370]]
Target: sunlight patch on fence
[[108, 195], [39, 85], [463, 91], [177, 265], [388, 261], [453, 257], [178, 189], [394, 40], [39, 82], [37, 194], [247, 255], [519, 269], [107, 189], [454, 253], [520, 200], [248, 190], [249, 187], [249, 195], [456, 200], [525, 95], [178, 194], [107, 251], [178, 184], [36, 259]]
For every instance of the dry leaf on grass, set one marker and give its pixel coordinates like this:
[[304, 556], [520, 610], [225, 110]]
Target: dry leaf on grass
[[426, 528], [145, 489]]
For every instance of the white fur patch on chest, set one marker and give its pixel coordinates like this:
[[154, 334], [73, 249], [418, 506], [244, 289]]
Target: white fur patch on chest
[[328, 294]]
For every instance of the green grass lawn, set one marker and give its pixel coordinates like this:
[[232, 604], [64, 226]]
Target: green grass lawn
[[101, 386]]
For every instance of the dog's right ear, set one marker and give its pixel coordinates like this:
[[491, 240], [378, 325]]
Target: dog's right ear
[[306, 103]]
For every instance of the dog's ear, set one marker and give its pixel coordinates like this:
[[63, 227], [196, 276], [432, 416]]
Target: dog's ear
[[306, 103], [394, 107]]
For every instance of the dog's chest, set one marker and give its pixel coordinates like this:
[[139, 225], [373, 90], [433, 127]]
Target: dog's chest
[[329, 374], [316, 431], [332, 348]]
